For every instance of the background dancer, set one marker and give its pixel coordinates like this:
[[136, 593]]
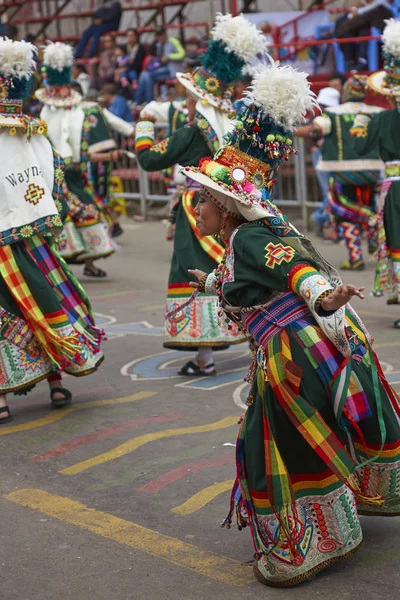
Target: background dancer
[[209, 88], [353, 177], [47, 324], [69, 133], [383, 132]]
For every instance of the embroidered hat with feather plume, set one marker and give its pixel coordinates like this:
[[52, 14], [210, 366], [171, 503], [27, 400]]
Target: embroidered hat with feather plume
[[240, 177], [58, 59], [234, 41], [17, 66], [387, 82]]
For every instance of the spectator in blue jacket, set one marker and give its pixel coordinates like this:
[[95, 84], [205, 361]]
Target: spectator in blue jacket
[[105, 18], [115, 103], [167, 62]]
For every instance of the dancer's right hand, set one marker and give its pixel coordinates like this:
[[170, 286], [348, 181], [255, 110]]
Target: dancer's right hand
[[198, 274]]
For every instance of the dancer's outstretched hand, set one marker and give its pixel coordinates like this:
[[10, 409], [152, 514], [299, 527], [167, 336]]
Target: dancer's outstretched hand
[[198, 274], [340, 297]]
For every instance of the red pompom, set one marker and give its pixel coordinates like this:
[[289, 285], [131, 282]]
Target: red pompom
[[204, 161], [256, 128]]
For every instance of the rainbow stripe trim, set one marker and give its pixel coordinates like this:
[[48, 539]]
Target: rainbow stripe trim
[[298, 275], [180, 290], [143, 144], [395, 255], [207, 242]]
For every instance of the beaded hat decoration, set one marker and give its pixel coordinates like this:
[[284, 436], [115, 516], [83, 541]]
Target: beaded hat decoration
[[240, 177], [17, 66], [234, 42], [387, 82], [355, 88], [58, 59]]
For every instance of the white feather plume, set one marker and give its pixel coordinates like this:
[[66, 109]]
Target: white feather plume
[[283, 92], [391, 37], [16, 58], [241, 37], [57, 56]]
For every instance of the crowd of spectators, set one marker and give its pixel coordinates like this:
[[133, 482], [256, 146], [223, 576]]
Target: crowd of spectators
[[131, 74]]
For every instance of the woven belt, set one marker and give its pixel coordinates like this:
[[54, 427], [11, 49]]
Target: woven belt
[[263, 322]]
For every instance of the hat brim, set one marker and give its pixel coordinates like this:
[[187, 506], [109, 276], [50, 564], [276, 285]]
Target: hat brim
[[243, 206], [12, 121], [187, 81], [73, 99], [376, 82]]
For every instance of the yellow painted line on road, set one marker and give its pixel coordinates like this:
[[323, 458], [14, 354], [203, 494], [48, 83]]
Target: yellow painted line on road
[[154, 307], [137, 442], [385, 345], [202, 498], [57, 415], [135, 536]]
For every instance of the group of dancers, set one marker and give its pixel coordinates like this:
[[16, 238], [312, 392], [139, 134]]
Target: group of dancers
[[319, 444], [359, 152]]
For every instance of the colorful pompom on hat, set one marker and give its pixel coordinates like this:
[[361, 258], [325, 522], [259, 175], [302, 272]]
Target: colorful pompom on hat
[[387, 82], [17, 66], [234, 42], [58, 59], [240, 177], [355, 88]]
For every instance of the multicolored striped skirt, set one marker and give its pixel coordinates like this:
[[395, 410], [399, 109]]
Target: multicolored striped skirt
[[318, 445], [46, 321]]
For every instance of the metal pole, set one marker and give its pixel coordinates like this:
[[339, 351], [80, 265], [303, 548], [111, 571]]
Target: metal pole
[[300, 179], [144, 192], [234, 8]]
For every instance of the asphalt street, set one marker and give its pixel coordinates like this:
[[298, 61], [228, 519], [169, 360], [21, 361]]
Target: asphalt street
[[121, 495]]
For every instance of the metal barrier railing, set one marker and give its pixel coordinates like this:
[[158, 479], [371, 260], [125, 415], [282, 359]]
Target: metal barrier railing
[[296, 185]]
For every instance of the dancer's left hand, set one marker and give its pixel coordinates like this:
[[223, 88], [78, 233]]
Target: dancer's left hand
[[340, 297], [198, 274]]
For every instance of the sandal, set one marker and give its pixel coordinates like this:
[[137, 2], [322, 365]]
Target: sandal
[[191, 369], [93, 272], [60, 402], [4, 409]]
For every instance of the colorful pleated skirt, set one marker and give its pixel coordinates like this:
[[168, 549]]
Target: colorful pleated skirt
[[46, 321], [318, 445]]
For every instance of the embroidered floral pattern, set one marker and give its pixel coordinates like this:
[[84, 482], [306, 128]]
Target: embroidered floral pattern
[[207, 132]]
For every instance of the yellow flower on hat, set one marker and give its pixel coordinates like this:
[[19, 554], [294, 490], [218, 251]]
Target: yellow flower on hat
[[212, 84]]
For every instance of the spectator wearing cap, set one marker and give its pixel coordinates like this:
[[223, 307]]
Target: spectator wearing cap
[[169, 55], [105, 18]]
